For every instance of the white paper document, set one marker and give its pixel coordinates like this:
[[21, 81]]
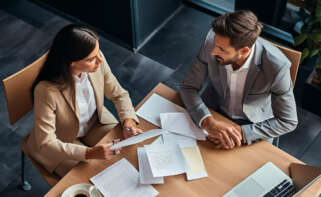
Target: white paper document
[[122, 180], [156, 105], [195, 162], [145, 173], [137, 138], [159, 140], [166, 159], [181, 123], [182, 141]]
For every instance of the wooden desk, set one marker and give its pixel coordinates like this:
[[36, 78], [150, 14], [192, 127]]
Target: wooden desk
[[226, 168]]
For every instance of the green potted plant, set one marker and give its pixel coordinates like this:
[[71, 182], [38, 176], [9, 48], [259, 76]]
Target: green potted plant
[[309, 38], [309, 41]]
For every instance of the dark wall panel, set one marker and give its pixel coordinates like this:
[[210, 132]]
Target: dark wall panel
[[150, 14], [112, 17]]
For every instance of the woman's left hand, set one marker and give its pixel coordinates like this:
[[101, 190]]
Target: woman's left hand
[[130, 128]]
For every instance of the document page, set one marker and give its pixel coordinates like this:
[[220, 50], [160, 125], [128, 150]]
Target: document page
[[182, 141], [155, 105], [145, 173], [166, 159], [121, 180], [195, 161], [159, 140], [181, 123], [137, 138]]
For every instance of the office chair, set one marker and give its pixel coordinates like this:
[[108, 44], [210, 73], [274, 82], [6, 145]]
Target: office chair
[[294, 57], [19, 100]]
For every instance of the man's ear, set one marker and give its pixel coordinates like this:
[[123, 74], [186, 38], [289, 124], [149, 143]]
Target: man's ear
[[245, 50]]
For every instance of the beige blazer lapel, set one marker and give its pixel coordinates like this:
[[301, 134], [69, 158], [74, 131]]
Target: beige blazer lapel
[[70, 97], [98, 91]]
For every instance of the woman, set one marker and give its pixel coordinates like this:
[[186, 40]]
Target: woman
[[69, 114]]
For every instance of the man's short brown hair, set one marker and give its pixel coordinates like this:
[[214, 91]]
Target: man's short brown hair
[[242, 27]]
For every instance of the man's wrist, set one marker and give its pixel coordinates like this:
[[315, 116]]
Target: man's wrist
[[208, 122], [244, 142], [201, 121]]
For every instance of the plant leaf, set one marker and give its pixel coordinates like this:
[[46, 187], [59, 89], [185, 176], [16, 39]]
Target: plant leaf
[[316, 30], [305, 53], [300, 39], [314, 52], [318, 12], [316, 37], [316, 20], [318, 62]]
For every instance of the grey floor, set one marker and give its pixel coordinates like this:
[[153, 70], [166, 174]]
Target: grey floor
[[27, 31]]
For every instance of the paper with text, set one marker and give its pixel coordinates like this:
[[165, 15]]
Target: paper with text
[[122, 180], [182, 141], [137, 138], [166, 159], [145, 173], [154, 106], [181, 123]]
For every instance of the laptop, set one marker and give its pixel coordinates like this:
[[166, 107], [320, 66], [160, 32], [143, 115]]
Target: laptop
[[268, 181]]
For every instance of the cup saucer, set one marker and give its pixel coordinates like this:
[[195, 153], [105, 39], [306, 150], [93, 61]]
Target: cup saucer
[[82, 186]]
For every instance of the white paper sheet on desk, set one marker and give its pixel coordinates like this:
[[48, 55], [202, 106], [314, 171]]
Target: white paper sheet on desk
[[154, 106], [145, 172], [195, 162], [137, 138], [166, 159], [159, 140], [181, 123], [182, 141], [122, 180]]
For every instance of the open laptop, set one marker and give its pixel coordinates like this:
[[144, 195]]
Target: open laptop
[[267, 181]]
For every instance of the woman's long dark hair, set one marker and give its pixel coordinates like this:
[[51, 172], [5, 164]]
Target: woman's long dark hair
[[72, 43]]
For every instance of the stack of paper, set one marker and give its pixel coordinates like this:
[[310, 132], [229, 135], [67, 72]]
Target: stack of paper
[[181, 123], [122, 180], [145, 172], [181, 140], [191, 153], [154, 106], [166, 159]]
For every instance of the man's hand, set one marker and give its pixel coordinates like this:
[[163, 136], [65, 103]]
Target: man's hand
[[130, 128], [101, 151], [226, 133]]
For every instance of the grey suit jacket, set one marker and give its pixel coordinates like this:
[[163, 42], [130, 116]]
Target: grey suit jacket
[[268, 100]]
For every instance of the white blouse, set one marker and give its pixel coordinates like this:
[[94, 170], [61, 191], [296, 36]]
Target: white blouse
[[85, 99]]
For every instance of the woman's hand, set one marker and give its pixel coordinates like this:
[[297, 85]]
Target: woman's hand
[[130, 128], [101, 151]]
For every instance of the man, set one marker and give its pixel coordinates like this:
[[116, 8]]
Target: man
[[248, 81]]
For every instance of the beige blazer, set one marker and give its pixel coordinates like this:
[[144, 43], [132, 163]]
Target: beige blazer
[[56, 117]]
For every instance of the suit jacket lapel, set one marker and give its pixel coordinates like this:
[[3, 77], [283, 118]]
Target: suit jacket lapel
[[97, 91], [254, 68], [70, 96], [223, 79]]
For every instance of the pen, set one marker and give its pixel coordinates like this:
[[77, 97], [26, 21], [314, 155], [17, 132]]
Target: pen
[[114, 141], [114, 152]]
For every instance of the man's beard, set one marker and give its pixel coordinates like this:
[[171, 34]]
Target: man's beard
[[226, 62]]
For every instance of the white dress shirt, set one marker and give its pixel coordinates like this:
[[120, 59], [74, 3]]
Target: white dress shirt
[[85, 99], [236, 79]]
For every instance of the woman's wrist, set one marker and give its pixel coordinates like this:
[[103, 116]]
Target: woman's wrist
[[88, 153]]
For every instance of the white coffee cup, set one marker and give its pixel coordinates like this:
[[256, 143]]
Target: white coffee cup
[[84, 192]]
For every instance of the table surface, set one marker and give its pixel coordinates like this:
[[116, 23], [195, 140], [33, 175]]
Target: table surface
[[225, 168]]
